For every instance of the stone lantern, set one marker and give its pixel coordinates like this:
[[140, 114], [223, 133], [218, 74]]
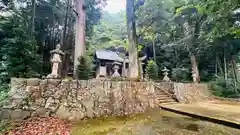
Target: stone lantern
[[194, 76], [165, 73], [116, 67], [56, 61]]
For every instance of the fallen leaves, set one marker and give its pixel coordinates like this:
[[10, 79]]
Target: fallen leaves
[[41, 126]]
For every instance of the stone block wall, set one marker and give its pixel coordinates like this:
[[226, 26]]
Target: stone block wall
[[75, 100], [191, 92]]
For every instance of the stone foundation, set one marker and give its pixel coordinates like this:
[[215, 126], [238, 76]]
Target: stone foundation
[[76, 100]]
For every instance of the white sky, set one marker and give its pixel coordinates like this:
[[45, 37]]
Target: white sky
[[114, 6]]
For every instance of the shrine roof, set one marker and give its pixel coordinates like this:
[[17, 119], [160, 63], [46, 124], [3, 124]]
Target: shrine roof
[[108, 55]]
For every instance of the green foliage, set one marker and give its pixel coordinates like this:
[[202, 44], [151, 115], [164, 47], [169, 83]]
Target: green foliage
[[3, 91], [84, 69], [180, 74], [17, 54], [110, 31], [93, 14], [5, 126], [152, 70], [223, 88]]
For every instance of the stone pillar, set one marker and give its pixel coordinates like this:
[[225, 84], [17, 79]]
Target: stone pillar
[[141, 70]]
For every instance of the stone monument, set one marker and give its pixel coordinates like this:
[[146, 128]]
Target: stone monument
[[165, 73], [56, 61]]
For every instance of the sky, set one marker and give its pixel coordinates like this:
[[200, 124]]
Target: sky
[[114, 6]]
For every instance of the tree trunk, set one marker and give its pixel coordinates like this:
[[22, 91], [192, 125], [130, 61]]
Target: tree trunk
[[216, 66], [66, 22], [234, 67], [154, 50], [234, 72], [132, 47], [219, 65], [65, 42], [195, 67], [80, 34], [32, 30], [225, 65]]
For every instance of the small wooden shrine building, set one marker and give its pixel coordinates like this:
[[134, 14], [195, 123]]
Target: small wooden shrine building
[[112, 64]]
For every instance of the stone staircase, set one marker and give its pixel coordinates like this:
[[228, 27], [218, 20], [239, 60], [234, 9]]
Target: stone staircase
[[164, 96]]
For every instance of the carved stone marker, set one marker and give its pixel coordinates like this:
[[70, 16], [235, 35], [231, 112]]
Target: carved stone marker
[[165, 73], [56, 60]]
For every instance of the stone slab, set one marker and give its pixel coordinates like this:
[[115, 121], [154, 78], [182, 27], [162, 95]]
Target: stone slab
[[220, 113]]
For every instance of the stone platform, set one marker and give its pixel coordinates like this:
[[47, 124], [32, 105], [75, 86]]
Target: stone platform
[[215, 111], [80, 99]]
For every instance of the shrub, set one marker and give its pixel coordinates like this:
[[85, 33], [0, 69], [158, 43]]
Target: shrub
[[3, 91], [225, 88], [181, 74], [5, 126], [152, 70], [84, 69]]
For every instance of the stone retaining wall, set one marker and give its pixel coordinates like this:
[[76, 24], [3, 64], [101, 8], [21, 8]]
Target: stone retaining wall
[[76, 100], [191, 92]]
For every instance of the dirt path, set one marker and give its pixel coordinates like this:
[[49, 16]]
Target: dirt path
[[230, 112]]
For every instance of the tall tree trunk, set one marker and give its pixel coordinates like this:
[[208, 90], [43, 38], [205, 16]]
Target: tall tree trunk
[[216, 65], [66, 22], [80, 48], [189, 32], [132, 47], [234, 72], [225, 65], [176, 58], [154, 50], [195, 67], [219, 65], [234, 67], [65, 42], [32, 30]]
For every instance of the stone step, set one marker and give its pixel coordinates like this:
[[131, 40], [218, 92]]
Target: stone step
[[168, 103], [166, 100], [163, 95], [163, 92], [163, 98]]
